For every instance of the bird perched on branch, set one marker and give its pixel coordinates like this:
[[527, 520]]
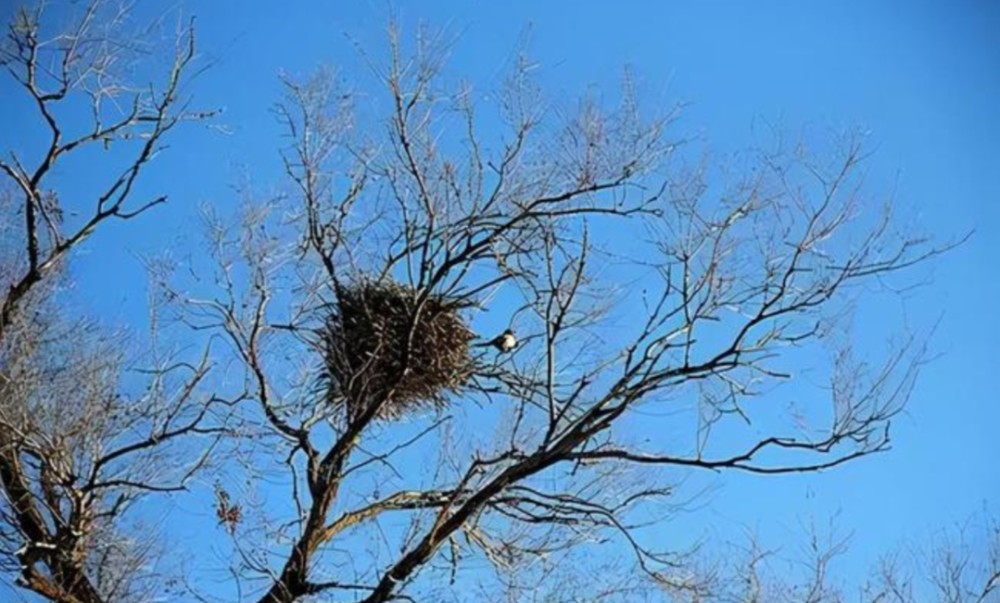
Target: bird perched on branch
[[504, 342]]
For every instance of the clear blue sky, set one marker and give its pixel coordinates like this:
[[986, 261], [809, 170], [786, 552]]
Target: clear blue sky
[[923, 77]]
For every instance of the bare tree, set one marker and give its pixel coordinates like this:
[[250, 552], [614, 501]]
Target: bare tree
[[76, 452], [407, 449], [740, 284], [958, 565]]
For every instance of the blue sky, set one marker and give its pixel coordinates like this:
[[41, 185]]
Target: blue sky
[[922, 77]]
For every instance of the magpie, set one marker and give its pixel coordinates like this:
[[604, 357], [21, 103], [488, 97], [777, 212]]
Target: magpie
[[503, 342]]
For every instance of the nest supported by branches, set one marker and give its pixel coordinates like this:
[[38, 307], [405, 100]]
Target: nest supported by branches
[[383, 346]]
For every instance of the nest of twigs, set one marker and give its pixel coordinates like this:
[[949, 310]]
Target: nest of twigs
[[382, 345]]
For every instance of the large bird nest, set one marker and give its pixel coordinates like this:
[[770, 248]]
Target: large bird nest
[[383, 346]]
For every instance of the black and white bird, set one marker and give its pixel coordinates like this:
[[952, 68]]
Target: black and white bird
[[504, 342]]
